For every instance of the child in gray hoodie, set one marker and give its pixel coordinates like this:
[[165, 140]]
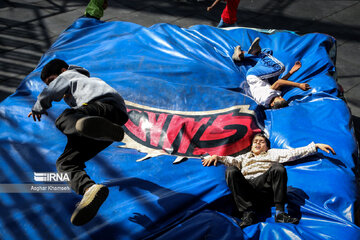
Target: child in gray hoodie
[[91, 124]]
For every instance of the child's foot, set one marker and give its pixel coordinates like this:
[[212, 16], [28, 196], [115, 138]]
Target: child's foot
[[99, 128], [249, 218], [255, 48], [238, 54], [90, 204], [95, 8], [286, 218]]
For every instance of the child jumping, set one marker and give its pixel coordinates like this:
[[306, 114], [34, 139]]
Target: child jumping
[[266, 68], [91, 124]]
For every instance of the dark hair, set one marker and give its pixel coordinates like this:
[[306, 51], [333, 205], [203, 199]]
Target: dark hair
[[280, 104], [53, 68], [263, 136]]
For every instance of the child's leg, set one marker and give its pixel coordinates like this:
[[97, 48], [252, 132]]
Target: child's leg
[[223, 24], [78, 150], [97, 120], [242, 192], [95, 9], [267, 66]]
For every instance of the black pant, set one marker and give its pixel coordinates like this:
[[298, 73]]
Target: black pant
[[80, 149], [267, 189]]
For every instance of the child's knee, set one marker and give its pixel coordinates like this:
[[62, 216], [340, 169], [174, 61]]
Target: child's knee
[[278, 168], [267, 51], [62, 117], [60, 166], [231, 172]]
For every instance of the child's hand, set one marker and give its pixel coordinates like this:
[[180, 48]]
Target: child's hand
[[208, 9], [296, 67], [304, 86], [206, 162], [36, 116], [325, 148]]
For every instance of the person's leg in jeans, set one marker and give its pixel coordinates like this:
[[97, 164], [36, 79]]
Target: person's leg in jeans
[[267, 65], [223, 24], [257, 78]]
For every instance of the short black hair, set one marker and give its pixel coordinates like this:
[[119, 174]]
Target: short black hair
[[53, 68], [280, 104], [267, 141]]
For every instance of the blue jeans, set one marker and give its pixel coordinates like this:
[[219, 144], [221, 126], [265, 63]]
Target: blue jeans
[[267, 66], [223, 24]]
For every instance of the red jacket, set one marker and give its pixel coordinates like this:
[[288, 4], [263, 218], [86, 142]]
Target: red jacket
[[229, 13]]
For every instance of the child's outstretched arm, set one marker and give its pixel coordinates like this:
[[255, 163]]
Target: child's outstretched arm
[[281, 82], [285, 82], [325, 148], [294, 69], [212, 5], [287, 155], [54, 92]]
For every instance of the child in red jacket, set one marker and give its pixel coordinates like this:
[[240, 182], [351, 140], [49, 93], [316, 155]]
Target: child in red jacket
[[228, 16]]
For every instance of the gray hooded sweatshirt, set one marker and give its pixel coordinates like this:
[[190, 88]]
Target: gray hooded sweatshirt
[[77, 87]]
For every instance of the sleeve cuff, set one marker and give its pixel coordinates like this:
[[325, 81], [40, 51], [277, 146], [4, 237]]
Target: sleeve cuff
[[312, 147]]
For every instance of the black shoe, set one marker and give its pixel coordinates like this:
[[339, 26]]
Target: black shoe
[[249, 218], [99, 128], [286, 218], [92, 200]]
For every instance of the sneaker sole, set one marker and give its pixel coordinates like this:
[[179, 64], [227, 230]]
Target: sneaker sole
[[99, 128], [253, 44], [88, 210]]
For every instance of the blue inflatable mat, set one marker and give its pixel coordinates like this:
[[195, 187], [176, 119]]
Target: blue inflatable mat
[[185, 99]]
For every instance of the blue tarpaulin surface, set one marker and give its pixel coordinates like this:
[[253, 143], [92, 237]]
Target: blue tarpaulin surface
[[185, 99]]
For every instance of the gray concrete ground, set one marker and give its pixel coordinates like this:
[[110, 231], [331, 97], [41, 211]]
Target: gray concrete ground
[[29, 27]]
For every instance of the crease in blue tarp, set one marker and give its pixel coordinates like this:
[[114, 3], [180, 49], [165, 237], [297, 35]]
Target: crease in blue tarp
[[182, 73]]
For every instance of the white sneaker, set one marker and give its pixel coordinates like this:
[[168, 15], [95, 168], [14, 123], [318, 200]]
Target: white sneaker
[[92, 200], [237, 54]]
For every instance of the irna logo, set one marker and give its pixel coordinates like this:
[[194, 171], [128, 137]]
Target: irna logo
[[51, 177]]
